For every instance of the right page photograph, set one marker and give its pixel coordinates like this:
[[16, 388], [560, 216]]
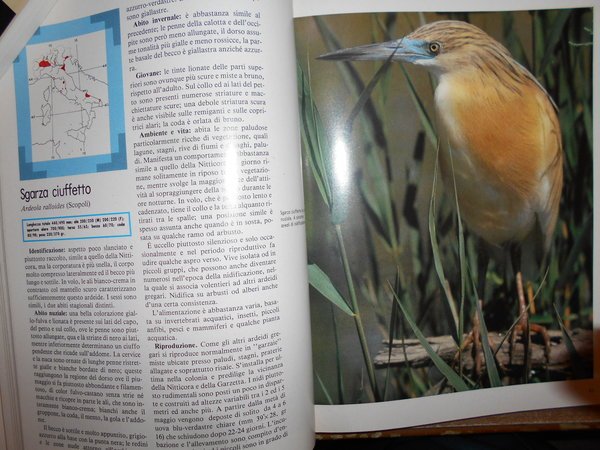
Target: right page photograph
[[448, 166]]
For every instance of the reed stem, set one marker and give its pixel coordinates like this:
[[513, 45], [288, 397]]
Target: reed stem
[[357, 316]]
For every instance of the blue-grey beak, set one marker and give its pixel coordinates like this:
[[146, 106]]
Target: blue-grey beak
[[407, 50]]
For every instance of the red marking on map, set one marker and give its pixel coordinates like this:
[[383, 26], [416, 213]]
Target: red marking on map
[[87, 95], [63, 67], [44, 63]]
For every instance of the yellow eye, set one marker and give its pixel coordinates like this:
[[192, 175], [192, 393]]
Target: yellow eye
[[434, 47]]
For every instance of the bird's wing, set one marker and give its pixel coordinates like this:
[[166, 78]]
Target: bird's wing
[[551, 170], [533, 79]]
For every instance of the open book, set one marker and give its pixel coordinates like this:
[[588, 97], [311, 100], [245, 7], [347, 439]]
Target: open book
[[158, 208]]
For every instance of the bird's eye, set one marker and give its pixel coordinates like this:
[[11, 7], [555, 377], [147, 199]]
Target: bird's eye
[[434, 47]]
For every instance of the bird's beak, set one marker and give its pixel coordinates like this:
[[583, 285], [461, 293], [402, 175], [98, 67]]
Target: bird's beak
[[404, 49]]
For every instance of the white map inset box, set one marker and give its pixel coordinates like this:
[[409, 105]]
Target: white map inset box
[[68, 91]]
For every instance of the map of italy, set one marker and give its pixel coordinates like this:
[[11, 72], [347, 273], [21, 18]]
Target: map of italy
[[59, 68], [68, 101], [69, 91]]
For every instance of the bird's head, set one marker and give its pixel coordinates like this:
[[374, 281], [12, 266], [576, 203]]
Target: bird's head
[[440, 47]]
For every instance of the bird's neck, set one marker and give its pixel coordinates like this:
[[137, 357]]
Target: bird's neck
[[474, 85], [466, 100]]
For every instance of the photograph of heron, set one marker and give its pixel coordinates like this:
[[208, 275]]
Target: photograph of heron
[[448, 169]]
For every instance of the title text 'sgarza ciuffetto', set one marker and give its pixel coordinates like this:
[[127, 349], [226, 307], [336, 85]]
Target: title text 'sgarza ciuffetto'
[[68, 190]]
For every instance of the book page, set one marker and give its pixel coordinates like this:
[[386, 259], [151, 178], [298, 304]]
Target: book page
[[153, 226], [404, 201]]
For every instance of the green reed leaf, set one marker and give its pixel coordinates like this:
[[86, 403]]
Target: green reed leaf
[[322, 283]]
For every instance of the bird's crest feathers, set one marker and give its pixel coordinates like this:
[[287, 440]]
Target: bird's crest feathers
[[463, 44]]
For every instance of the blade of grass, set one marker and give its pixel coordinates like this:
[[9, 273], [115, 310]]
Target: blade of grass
[[490, 360], [324, 159], [324, 388], [391, 334], [425, 120], [439, 268], [570, 265], [311, 131], [362, 337], [322, 283], [416, 381], [379, 201], [338, 357], [453, 378], [462, 258], [365, 95], [575, 358], [553, 37]]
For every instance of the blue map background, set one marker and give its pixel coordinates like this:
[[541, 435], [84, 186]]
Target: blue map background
[[115, 158]]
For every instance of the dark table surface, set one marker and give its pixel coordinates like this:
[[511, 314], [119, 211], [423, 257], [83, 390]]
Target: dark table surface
[[556, 440], [6, 15]]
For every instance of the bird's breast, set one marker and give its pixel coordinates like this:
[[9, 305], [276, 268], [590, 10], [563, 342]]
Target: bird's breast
[[491, 151]]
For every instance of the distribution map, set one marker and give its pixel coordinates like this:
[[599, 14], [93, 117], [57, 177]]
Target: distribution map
[[69, 99]]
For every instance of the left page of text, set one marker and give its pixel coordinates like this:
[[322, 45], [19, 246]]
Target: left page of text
[[153, 226]]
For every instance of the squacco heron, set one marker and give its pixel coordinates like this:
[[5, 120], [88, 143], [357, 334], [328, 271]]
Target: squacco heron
[[500, 136]]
